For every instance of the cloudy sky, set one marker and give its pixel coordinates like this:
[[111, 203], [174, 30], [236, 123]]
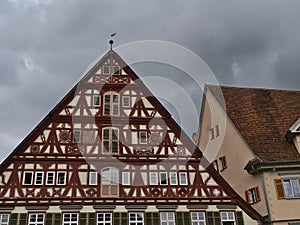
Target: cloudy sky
[[46, 45]]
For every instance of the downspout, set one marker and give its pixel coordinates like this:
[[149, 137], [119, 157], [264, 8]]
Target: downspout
[[266, 197]]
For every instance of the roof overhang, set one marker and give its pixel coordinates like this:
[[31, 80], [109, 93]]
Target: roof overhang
[[293, 131]]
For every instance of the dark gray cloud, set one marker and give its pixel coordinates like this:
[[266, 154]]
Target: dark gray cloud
[[46, 45]]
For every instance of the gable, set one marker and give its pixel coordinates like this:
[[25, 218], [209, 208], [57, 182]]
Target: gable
[[110, 141]]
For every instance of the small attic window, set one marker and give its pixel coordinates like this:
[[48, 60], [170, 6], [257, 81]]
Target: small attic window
[[116, 70], [293, 134], [106, 70]]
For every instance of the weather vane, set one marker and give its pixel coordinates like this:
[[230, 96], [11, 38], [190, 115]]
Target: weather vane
[[111, 42]]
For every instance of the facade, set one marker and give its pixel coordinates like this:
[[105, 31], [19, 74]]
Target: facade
[[110, 153], [256, 132]]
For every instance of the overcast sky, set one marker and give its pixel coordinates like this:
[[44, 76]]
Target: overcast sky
[[46, 45]]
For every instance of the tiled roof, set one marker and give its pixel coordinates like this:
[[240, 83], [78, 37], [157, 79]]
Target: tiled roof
[[263, 117]]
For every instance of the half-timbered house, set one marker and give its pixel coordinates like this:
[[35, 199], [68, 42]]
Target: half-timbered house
[[110, 153]]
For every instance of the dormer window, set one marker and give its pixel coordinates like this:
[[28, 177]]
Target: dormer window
[[293, 134]]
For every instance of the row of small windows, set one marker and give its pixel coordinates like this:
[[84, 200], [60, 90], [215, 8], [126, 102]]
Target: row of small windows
[[134, 218], [111, 103], [109, 176], [116, 70], [110, 138], [37, 178]]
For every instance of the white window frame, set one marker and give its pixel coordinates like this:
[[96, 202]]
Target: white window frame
[[36, 180], [183, 181], [93, 178], [173, 178], [33, 218], [70, 222], [112, 104], [77, 136], [228, 217], [24, 175], [291, 187], [143, 140], [57, 178], [47, 178], [119, 69], [106, 220], [111, 133], [110, 178], [198, 218], [153, 178], [103, 70], [135, 221], [165, 218], [126, 178], [123, 101], [94, 99], [161, 180], [4, 218]]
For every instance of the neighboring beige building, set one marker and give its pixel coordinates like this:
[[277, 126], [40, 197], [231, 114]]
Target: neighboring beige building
[[252, 136]]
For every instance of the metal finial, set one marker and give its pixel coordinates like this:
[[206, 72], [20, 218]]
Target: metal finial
[[111, 42]]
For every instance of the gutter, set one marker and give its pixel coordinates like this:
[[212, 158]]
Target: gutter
[[254, 168]]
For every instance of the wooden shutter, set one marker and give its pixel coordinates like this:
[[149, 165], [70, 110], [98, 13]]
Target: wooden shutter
[[13, 219], [49, 217], [186, 218], [279, 189], [23, 219], [247, 196], [217, 219], [257, 194], [57, 219], [179, 218], [91, 220], [82, 219]]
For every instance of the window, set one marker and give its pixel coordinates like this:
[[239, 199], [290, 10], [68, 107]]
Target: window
[[198, 218], [27, 178], [106, 70], [167, 218], [61, 178], [70, 218], [36, 219], [109, 181], [136, 218], [227, 218], [252, 195], [223, 163], [291, 188], [214, 132], [39, 178], [116, 70], [76, 136], [163, 178], [126, 101], [110, 140], [126, 178], [143, 137], [111, 104], [93, 178], [50, 178], [173, 178], [104, 219], [96, 100], [4, 219], [153, 178], [183, 178], [215, 165]]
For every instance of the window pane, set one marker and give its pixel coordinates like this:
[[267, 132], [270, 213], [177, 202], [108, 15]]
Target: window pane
[[27, 178], [183, 178], [61, 178], [163, 178]]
